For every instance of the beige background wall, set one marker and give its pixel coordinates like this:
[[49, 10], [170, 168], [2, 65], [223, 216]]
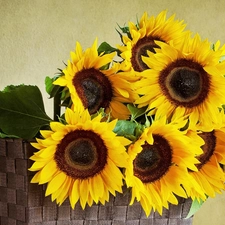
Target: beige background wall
[[36, 36]]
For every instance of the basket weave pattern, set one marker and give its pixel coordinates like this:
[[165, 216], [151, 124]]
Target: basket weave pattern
[[23, 203]]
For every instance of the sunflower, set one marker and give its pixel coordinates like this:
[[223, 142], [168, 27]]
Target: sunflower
[[158, 165], [141, 38], [187, 79], [93, 86], [80, 159], [210, 175]]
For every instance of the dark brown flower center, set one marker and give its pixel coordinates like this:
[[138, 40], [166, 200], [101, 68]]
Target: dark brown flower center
[[185, 83], [140, 49], [208, 148], [94, 89], [153, 161], [81, 154]]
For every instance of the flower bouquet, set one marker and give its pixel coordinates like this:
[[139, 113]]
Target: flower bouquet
[[142, 121]]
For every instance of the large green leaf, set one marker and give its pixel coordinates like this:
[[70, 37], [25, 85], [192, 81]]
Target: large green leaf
[[22, 111]]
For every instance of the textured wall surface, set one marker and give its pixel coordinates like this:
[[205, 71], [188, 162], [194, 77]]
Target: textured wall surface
[[36, 37]]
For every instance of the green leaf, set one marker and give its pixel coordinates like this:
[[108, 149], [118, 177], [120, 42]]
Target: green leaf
[[2, 135], [48, 85], [195, 206], [124, 128], [52, 89], [22, 111], [11, 88], [125, 30], [106, 48], [136, 112]]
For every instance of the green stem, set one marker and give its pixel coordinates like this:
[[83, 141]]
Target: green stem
[[57, 111]]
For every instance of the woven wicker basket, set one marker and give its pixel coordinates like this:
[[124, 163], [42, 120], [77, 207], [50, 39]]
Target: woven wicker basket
[[23, 203]]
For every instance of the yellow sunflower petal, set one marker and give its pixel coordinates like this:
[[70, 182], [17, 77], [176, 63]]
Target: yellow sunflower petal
[[55, 183]]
